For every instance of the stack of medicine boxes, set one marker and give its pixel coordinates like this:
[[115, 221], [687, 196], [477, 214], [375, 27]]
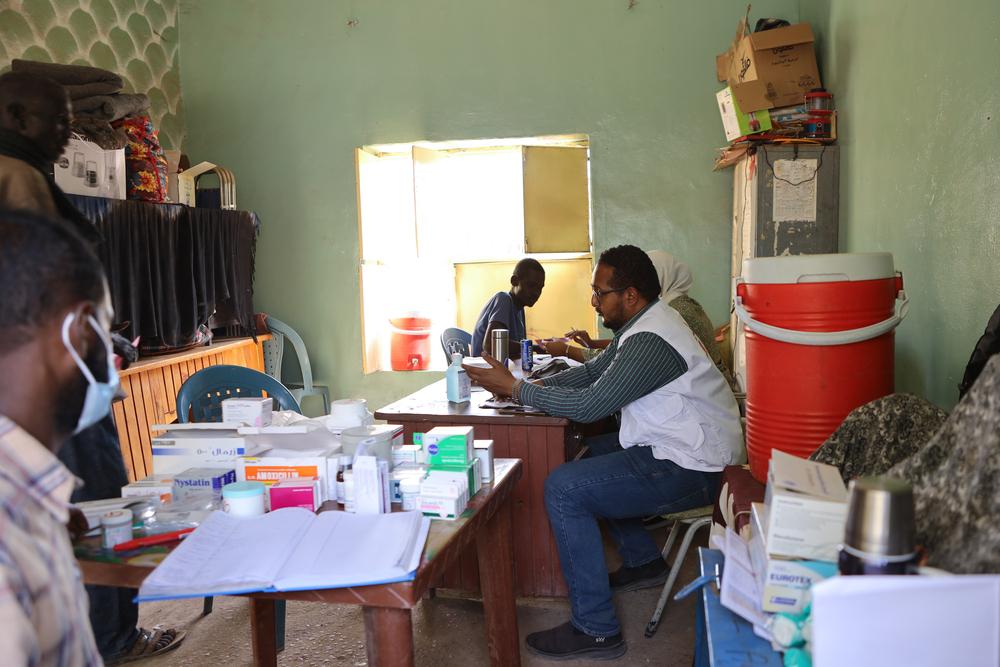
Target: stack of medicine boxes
[[454, 472], [795, 535]]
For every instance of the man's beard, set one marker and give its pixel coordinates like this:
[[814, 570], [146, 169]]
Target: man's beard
[[71, 396]]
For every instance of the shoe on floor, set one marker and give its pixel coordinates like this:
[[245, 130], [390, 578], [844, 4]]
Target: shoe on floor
[[565, 642], [653, 573]]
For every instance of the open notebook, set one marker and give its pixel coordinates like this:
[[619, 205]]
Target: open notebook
[[287, 550]]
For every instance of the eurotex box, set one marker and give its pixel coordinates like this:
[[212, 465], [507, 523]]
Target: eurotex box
[[784, 585], [449, 445], [770, 68]]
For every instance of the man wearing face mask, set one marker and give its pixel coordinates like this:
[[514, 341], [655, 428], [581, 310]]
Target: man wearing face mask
[[34, 130], [59, 378]]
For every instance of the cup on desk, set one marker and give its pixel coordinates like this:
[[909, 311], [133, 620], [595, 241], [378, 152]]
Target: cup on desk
[[500, 345], [879, 533]]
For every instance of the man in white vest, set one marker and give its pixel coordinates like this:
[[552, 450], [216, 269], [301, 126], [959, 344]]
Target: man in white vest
[[679, 427]]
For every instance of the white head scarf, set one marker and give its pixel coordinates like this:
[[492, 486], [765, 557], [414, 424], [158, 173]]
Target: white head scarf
[[675, 276]]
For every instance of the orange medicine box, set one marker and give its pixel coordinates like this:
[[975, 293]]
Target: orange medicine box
[[273, 469]]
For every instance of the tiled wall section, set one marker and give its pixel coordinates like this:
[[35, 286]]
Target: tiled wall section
[[135, 38]]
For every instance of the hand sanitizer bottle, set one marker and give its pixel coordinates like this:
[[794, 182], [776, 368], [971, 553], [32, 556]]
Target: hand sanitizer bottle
[[459, 389]]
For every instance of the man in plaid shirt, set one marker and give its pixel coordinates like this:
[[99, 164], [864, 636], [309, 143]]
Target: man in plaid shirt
[[57, 378]]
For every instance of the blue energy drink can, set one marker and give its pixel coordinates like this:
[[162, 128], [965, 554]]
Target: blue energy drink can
[[527, 359]]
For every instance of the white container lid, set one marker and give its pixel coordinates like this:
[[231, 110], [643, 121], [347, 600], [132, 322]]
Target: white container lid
[[117, 518], [837, 267]]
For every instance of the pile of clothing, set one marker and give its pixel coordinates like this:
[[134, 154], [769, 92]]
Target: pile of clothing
[[96, 97]]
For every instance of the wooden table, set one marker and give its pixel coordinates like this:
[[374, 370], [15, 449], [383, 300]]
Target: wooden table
[[542, 442], [388, 622]]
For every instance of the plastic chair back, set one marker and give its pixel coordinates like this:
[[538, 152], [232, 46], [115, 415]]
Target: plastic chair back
[[201, 395], [274, 351], [454, 340], [282, 332]]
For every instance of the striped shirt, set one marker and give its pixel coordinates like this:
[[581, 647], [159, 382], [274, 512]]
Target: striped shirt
[[43, 606], [611, 380]]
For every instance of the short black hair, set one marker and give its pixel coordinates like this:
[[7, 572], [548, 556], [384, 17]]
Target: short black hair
[[528, 265], [45, 266], [631, 267], [21, 87]]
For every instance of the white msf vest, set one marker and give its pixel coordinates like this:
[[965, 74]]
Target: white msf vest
[[692, 421]]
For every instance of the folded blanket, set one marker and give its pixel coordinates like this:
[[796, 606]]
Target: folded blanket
[[91, 89], [100, 132], [68, 75], [110, 107]]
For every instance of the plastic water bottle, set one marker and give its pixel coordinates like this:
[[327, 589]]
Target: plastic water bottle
[[459, 389]]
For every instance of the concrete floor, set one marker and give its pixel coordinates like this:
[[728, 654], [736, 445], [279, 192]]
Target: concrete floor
[[448, 630]]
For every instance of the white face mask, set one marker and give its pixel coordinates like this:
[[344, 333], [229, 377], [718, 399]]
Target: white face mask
[[97, 404]]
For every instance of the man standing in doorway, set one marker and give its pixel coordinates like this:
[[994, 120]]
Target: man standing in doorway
[[679, 427]]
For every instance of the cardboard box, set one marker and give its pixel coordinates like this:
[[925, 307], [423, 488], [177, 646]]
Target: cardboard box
[[483, 450], [273, 469], [441, 497], [157, 486], [807, 508], [772, 68], [302, 492], [784, 585], [253, 411], [177, 450], [407, 455], [449, 445], [85, 168], [737, 124], [201, 481]]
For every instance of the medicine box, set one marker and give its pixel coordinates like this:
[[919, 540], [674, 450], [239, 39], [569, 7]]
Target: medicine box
[[368, 492], [272, 469], [807, 509], [302, 492], [254, 411], [449, 445], [158, 486], [784, 585], [407, 454], [201, 481], [177, 450], [483, 450], [470, 473], [442, 498]]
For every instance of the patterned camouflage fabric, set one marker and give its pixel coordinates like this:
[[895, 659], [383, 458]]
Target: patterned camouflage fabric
[[880, 434], [956, 482]]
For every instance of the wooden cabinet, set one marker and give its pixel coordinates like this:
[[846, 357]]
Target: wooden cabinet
[[151, 387]]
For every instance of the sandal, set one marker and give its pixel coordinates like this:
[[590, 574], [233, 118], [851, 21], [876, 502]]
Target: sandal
[[151, 643]]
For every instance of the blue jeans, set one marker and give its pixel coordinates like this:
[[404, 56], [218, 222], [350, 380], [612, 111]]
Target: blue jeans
[[621, 486]]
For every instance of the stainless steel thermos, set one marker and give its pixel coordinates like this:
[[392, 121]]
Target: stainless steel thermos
[[499, 347]]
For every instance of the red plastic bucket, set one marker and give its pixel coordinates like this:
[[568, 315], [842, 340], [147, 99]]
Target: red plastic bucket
[[410, 344], [819, 343]]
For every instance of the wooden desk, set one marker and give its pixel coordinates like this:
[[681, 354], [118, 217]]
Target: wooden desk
[[542, 442], [388, 623], [151, 385]]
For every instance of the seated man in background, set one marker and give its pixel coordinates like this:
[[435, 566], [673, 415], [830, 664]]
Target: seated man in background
[[679, 427], [55, 357], [506, 309]]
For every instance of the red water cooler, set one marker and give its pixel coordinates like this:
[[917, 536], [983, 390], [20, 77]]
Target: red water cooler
[[410, 344], [819, 343]]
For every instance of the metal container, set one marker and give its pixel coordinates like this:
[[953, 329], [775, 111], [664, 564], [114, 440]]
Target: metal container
[[879, 533], [499, 347]]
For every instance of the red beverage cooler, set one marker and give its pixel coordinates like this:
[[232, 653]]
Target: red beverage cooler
[[819, 343], [410, 346]]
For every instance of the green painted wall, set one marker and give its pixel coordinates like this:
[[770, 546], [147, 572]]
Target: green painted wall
[[918, 92], [135, 38], [282, 92]]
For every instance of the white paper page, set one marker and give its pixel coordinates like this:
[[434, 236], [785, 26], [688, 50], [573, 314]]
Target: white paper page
[[795, 190], [229, 554], [739, 588], [344, 549], [909, 620]]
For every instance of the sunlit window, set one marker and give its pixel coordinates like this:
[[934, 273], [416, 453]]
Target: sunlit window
[[440, 225]]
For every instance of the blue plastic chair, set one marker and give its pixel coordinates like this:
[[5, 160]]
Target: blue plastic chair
[[200, 400], [274, 351], [202, 394], [454, 340]]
